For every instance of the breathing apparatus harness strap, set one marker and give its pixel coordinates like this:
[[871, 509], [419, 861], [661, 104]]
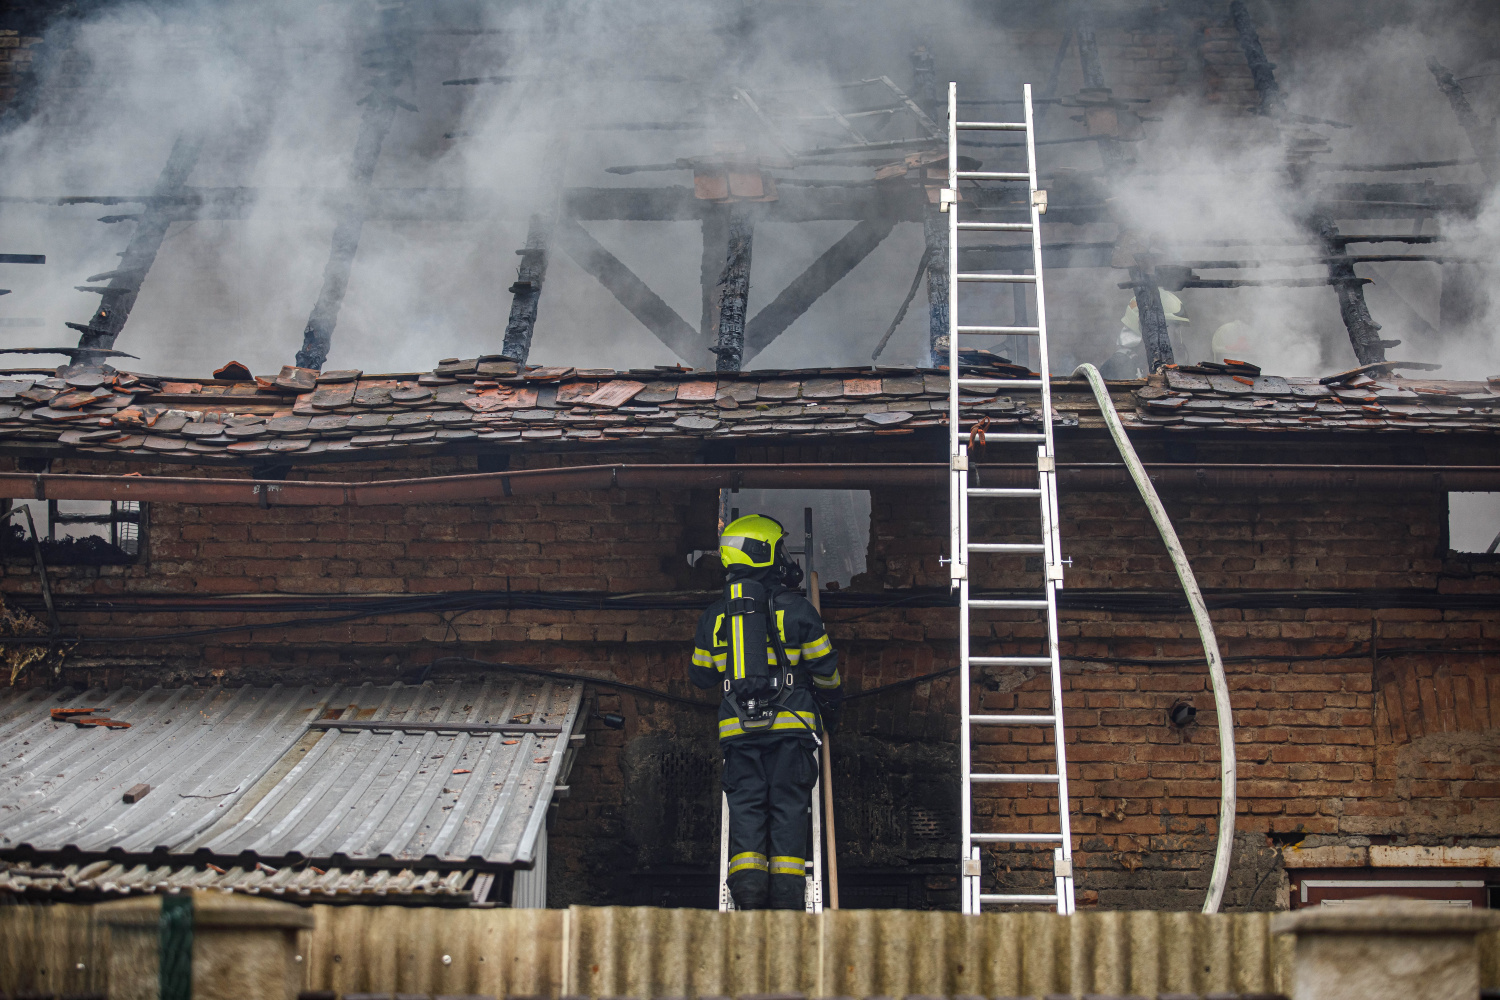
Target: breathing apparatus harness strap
[[754, 690]]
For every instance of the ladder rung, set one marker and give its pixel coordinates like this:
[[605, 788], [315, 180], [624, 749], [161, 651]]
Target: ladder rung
[[1016, 838], [991, 175], [1012, 661], [1015, 779], [1006, 547], [1009, 383], [1015, 437], [1025, 331], [997, 227], [1014, 605], [992, 126], [1004, 279], [1012, 720], [1005, 897], [1004, 491]]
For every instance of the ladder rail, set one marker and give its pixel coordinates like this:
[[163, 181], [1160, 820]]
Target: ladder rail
[[813, 895], [961, 548]]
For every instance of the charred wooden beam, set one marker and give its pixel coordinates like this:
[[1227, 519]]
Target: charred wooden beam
[[631, 292], [828, 270], [715, 239], [125, 282], [23, 258], [526, 293], [1153, 319], [1481, 135], [1154, 334], [1465, 296], [1262, 70], [924, 80], [1364, 332], [734, 291], [1110, 150], [935, 234], [387, 59]]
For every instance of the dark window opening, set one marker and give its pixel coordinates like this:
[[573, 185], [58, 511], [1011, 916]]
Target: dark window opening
[[77, 532], [840, 535]]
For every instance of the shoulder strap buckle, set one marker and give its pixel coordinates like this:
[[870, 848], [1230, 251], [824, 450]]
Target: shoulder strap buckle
[[737, 606]]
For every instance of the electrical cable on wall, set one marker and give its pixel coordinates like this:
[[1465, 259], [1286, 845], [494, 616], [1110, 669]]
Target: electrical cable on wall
[[1199, 609]]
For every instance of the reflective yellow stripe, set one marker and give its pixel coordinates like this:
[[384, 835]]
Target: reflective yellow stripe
[[748, 861], [784, 720], [788, 720], [721, 661], [737, 633], [788, 866], [827, 682], [818, 647], [781, 625], [702, 657]]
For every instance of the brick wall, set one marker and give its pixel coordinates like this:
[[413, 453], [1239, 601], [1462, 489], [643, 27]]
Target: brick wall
[[1273, 541], [1334, 745], [16, 54]]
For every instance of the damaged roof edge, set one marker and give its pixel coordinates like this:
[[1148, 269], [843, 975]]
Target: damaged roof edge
[[341, 416]]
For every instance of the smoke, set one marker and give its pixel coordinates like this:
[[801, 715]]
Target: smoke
[[274, 91]]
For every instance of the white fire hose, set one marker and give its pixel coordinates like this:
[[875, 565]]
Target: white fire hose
[[1205, 632]]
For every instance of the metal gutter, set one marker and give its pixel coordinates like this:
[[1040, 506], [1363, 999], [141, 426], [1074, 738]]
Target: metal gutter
[[497, 485]]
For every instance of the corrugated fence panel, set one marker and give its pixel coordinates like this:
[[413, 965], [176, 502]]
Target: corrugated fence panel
[[382, 949], [645, 952], [43, 947]]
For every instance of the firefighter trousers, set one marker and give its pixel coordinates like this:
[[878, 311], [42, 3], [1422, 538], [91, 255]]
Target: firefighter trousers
[[769, 783]]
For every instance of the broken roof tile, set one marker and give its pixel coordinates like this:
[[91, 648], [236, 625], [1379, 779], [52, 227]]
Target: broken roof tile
[[408, 394], [331, 397], [700, 392], [696, 423], [778, 390], [575, 392], [856, 387], [902, 386]]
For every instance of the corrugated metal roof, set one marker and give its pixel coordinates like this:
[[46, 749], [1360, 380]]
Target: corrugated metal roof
[[243, 772], [291, 882]]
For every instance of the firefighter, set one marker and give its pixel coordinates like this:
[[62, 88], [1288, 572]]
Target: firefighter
[[765, 648], [1129, 359]]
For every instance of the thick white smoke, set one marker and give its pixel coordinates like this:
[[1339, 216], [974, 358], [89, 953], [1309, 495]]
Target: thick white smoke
[[273, 87]]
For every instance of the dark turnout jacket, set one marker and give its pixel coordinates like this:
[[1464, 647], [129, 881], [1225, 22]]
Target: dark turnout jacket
[[814, 665]]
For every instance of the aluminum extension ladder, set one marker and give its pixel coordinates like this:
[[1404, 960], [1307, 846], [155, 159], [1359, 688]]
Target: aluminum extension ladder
[[814, 895], [1044, 494]]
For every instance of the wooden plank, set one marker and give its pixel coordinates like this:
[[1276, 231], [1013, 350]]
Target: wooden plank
[[613, 394]]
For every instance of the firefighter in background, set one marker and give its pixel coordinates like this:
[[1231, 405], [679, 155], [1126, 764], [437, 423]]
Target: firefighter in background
[[765, 648], [1129, 359]]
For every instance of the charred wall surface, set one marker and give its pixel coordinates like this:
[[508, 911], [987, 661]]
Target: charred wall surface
[[1366, 707]]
